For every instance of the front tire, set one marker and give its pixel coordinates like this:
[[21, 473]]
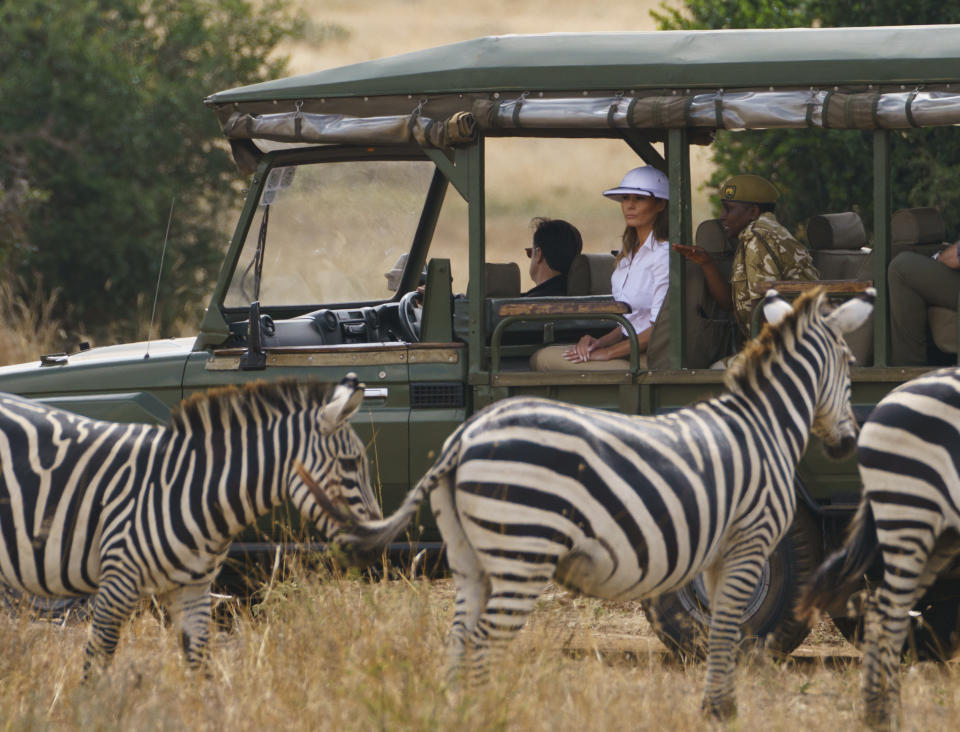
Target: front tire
[[681, 619]]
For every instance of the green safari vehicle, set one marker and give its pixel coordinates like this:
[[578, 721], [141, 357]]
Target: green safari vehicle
[[352, 167]]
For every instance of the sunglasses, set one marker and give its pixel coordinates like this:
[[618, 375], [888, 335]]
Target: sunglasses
[[529, 251]]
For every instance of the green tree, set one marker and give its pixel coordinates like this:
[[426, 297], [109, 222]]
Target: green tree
[[925, 163], [103, 127]]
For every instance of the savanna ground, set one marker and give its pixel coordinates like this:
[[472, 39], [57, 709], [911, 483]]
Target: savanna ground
[[320, 651]]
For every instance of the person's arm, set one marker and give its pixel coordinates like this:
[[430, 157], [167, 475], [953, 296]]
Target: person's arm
[[950, 256], [621, 349], [588, 344], [719, 288]]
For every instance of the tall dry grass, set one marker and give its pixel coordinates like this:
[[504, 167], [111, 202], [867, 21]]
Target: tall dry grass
[[319, 651], [28, 328]]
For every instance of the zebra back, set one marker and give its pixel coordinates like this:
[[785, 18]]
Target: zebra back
[[79, 497]]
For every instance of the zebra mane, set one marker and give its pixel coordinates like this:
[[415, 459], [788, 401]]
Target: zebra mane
[[767, 346], [276, 394]]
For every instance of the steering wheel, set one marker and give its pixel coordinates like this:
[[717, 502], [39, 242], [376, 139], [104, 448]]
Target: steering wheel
[[409, 322]]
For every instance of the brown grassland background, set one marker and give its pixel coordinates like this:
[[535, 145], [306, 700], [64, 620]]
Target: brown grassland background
[[316, 650]]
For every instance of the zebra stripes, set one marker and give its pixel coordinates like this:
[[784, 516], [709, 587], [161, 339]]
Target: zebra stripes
[[620, 507], [127, 510], [909, 516]]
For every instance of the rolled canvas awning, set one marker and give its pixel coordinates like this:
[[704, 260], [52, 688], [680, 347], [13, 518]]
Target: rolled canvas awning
[[304, 127], [744, 110]]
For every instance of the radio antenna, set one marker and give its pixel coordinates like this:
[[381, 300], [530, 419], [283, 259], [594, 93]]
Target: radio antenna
[[156, 294]]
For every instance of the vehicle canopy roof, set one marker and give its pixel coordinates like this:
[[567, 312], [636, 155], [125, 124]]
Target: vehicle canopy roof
[[638, 60], [883, 77]]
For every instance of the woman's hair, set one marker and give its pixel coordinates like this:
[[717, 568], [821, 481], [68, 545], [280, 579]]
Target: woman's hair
[[661, 232]]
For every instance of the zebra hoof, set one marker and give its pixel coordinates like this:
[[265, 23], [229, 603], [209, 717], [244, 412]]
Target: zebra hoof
[[725, 708], [881, 720]]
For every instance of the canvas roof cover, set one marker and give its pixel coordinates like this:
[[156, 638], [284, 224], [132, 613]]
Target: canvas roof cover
[[637, 60]]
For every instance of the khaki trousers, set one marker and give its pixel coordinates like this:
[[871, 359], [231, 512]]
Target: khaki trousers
[[916, 282]]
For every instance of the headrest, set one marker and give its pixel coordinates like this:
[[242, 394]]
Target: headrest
[[590, 274], [503, 279], [836, 231], [911, 226], [711, 236]]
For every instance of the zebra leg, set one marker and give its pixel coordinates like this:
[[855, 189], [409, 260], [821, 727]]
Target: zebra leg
[[473, 591], [190, 610], [472, 585], [734, 582], [888, 621], [113, 603], [885, 628], [509, 604]]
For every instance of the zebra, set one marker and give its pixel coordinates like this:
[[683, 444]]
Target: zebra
[[124, 511], [529, 491], [908, 517]]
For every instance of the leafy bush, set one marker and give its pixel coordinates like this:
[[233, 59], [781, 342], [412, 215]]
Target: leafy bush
[[104, 126], [925, 163]]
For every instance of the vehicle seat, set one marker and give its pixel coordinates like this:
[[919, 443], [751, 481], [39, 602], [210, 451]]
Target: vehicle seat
[[590, 274], [710, 330], [503, 279], [916, 229], [838, 246], [922, 230]]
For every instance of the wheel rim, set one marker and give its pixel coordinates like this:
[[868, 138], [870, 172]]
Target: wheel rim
[[693, 598]]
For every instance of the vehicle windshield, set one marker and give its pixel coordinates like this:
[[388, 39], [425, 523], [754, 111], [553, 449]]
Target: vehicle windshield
[[329, 232]]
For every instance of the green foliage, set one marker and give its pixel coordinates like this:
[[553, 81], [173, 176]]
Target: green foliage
[[823, 171], [104, 126]]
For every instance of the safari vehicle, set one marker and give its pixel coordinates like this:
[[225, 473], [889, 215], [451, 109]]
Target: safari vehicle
[[354, 166]]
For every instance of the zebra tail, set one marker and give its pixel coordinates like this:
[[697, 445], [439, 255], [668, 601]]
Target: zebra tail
[[842, 568], [361, 543]]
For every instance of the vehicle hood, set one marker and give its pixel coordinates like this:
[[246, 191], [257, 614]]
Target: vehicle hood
[[124, 352]]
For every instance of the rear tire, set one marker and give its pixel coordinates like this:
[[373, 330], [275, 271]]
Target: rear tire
[[934, 633], [681, 619]]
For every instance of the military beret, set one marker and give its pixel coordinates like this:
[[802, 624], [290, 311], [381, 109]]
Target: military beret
[[749, 189]]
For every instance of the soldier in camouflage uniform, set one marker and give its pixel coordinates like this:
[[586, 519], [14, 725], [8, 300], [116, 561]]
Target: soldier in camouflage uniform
[[766, 251]]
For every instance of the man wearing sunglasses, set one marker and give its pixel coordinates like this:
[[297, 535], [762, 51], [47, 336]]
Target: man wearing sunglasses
[[555, 244]]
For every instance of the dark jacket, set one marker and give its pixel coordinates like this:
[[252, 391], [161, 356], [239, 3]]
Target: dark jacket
[[554, 287]]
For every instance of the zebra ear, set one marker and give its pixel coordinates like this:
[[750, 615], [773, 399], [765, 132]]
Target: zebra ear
[[775, 308], [853, 313], [342, 403]]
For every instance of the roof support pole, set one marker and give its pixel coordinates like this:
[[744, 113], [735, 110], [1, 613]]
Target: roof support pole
[[678, 162], [454, 174], [881, 245], [642, 147], [470, 160]]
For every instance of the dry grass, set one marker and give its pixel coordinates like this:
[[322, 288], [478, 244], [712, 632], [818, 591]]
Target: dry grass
[[27, 326], [324, 652]]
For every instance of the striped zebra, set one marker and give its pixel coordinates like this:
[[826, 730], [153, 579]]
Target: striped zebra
[[124, 511], [909, 518], [529, 490]]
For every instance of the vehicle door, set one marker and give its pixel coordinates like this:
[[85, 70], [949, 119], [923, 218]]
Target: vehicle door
[[304, 292]]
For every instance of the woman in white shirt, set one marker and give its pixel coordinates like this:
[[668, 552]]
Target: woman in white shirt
[[640, 277]]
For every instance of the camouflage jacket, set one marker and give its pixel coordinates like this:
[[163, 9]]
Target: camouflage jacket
[[766, 252]]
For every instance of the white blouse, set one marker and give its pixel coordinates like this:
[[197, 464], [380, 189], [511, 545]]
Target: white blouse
[[641, 281]]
